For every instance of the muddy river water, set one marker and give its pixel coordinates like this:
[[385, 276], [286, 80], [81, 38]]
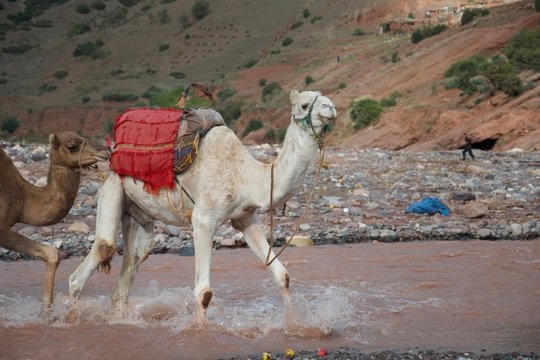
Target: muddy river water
[[477, 296]]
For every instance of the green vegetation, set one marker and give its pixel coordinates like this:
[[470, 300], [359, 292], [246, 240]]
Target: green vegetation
[[91, 49], [270, 134], [108, 126], [200, 9], [253, 124], [128, 3], [82, 9], [98, 5], [537, 5], [358, 32], [32, 9], [163, 2], [309, 80], [163, 47], [250, 63], [524, 50], [177, 75], [270, 89], [306, 13], [226, 93], [60, 74], [115, 18], [78, 29], [184, 20], [18, 49], [41, 24], [365, 112], [315, 18], [231, 112], [10, 124], [120, 97], [287, 41], [47, 88], [395, 57], [479, 73], [342, 85], [471, 14], [163, 16], [391, 100], [425, 32], [262, 82], [85, 99]]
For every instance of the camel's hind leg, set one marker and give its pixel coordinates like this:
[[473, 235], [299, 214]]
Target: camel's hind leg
[[137, 245], [14, 241], [255, 238], [109, 212]]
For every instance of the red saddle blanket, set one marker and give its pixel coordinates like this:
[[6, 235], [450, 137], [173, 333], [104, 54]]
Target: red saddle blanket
[[153, 145], [144, 146]]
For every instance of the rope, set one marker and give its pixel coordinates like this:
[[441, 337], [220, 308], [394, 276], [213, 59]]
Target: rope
[[301, 219], [85, 140]]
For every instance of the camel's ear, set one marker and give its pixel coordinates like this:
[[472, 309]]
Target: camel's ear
[[294, 96], [53, 139]]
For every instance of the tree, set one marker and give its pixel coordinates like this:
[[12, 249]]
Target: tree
[[365, 112], [9, 125], [200, 9]]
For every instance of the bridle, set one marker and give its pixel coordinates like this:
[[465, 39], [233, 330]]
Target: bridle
[[308, 121]]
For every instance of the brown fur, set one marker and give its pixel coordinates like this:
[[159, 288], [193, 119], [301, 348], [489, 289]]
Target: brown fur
[[22, 202]]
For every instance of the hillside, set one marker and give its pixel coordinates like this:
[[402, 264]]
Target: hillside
[[240, 43]]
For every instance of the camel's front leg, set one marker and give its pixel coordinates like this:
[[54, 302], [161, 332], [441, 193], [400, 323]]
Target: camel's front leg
[[203, 235], [137, 246], [109, 212], [14, 241], [255, 238]]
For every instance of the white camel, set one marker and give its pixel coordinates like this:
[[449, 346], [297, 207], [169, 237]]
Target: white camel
[[224, 183]]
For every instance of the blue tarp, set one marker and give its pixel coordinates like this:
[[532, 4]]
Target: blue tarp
[[428, 205]]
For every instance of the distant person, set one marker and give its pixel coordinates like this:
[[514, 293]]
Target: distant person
[[468, 147]]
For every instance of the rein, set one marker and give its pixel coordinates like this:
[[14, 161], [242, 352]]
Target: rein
[[320, 142]]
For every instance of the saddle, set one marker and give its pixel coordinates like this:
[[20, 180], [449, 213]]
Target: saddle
[[153, 145]]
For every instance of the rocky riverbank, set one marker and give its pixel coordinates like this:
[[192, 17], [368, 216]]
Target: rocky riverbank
[[360, 196]]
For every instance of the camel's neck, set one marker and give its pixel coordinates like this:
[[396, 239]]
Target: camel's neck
[[49, 204], [299, 151]]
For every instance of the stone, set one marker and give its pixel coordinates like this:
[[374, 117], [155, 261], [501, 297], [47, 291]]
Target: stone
[[301, 240], [186, 251], [474, 210], [463, 196], [78, 228], [227, 242], [484, 233]]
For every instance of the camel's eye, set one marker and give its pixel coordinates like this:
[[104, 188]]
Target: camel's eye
[[305, 106], [73, 147]]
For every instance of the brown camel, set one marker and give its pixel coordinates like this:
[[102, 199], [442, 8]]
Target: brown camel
[[22, 202]]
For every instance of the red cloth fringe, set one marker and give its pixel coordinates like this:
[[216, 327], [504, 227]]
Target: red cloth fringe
[[144, 146]]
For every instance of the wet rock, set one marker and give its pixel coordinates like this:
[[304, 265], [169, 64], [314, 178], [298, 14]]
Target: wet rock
[[300, 240], [187, 251], [78, 228], [463, 196]]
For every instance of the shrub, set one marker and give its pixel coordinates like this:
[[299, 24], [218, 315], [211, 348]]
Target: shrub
[[253, 124], [308, 80], [504, 77], [287, 41], [163, 47], [281, 134], [358, 32], [425, 32], [163, 16], [262, 82], [91, 49], [178, 75], [85, 99], [78, 29], [41, 24], [388, 102], [10, 124], [270, 134], [342, 85], [119, 97], [166, 98], [364, 112], [82, 9], [250, 63], [306, 13], [18, 49], [270, 89], [60, 74], [200, 9], [163, 2], [231, 112], [184, 20], [315, 18], [47, 88], [128, 3], [462, 71], [470, 14], [537, 5], [395, 57], [151, 92], [98, 5], [524, 50], [115, 18], [226, 93], [296, 25]]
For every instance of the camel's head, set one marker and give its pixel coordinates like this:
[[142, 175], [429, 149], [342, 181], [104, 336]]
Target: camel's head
[[313, 111], [70, 150]]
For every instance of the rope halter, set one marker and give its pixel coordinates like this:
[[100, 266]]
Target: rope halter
[[307, 120]]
